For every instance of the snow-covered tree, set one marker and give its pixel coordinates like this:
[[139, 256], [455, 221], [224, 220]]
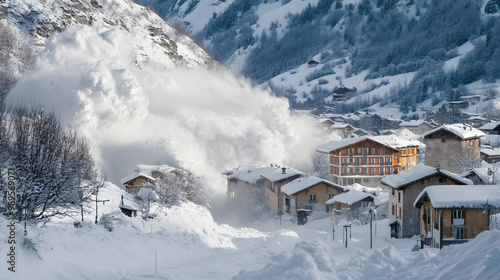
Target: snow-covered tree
[[466, 160], [321, 163], [52, 166]]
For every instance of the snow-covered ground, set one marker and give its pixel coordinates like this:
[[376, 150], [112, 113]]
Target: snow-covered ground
[[188, 244]]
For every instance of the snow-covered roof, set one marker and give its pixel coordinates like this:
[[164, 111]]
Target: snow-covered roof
[[491, 152], [490, 126], [349, 197], [301, 184], [461, 196], [418, 172], [340, 125], [250, 174], [464, 132], [334, 145], [482, 172], [134, 176], [395, 141], [278, 175], [148, 168], [412, 123]]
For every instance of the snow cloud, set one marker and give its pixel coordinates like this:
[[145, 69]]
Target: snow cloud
[[135, 113]]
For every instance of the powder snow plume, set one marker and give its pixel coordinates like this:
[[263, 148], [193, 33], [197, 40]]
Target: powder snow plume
[[207, 121]]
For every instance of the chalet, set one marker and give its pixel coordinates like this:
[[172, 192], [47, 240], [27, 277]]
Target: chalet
[[416, 126], [143, 176], [456, 214], [453, 145], [309, 193], [404, 189], [325, 124], [352, 203], [274, 180], [491, 128], [365, 160], [134, 182], [479, 176], [245, 188], [490, 155], [342, 129], [377, 123]]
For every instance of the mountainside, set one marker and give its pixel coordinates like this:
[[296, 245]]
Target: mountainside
[[403, 53]]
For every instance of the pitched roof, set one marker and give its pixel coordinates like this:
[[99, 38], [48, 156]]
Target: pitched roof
[[134, 176], [301, 184], [495, 152], [490, 126], [416, 173], [149, 168], [278, 175], [464, 132], [334, 145], [461, 196], [349, 197], [395, 141], [413, 123], [250, 174]]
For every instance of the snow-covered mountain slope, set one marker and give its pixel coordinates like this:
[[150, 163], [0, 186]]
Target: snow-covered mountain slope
[[136, 103], [391, 52], [151, 39]]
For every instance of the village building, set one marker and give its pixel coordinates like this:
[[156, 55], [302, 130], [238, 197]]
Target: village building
[[343, 130], [456, 214], [366, 160], [352, 203], [416, 126], [245, 188], [453, 147], [491, 128], [490, 155], [134, 182], [274, 180], [325, 124], [404, 189], [479, 176], [310, 193], [144, 176]]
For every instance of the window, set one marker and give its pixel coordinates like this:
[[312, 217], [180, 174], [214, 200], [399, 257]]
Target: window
[[381, 171], [393, 192], [373, 170], [399, 197], [365, 161], [457, 214], [458, 232], [388, 160], [442, 180], [393, 210], [381, 161], [350, 151], [400, 213], [344, 160], [357, 161], [344, 171], [388, 170], [331, 195], [358, 171], [365, 151], [359, 151], [364, 204], [312, 198], [365, 171], [373, 161], [351, 171], [443, 139], [372, 151], [351, 160]]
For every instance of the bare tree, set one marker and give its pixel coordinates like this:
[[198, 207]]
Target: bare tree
[[467, 160]]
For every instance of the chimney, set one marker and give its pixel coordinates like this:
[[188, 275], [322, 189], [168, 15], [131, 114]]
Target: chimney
[[283, 170]]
